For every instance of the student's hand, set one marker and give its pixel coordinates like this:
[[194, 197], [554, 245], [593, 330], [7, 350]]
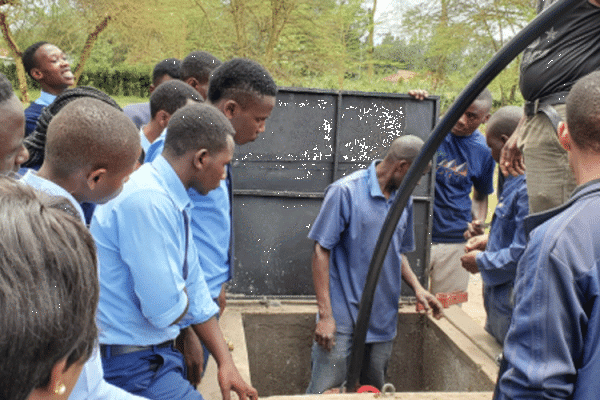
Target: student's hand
[[511, 159], [474, 228], [477, 243], [222, 300], [325, 333], [230, 379], [430, 303], [189, 345], [469, 261], [418, 94]]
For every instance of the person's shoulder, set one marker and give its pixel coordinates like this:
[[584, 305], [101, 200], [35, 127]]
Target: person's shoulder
[[33, 109]]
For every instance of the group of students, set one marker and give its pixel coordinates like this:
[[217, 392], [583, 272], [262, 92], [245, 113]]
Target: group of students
[[86, 150]]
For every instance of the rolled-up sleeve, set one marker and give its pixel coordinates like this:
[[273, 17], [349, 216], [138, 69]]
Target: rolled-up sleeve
[[150, 242]]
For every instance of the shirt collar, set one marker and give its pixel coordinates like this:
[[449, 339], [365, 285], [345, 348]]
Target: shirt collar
[[32, 179], [374, 188], [45, 99], [175, 187], [535, 220]]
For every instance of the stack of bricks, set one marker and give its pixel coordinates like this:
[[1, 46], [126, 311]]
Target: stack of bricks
[[448, 299]]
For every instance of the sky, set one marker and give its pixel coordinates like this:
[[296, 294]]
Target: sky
[[388, 15]]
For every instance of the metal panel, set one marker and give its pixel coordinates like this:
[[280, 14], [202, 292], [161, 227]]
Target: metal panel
[[312, 138]]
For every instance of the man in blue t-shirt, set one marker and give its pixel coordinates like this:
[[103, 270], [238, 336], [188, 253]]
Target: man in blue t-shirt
[[345, 235], [464, 165]]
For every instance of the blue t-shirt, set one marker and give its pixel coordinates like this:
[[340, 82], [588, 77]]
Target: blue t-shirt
[[139, 113], [348, 225], [463, 162]]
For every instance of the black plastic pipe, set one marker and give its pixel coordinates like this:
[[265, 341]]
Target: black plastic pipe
[[500, 60]]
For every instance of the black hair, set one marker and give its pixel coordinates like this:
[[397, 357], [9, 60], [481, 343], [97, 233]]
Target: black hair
[[199, 65], [89, 132], [6, 89], [36, 142], [169, 66], [197, 126], [485, 96], [172, 95], [48, 288], [239, 79], [28, 57], [583, 112]]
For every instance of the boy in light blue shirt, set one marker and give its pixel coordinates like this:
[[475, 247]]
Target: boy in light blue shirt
[[91, 148], [151, 282]]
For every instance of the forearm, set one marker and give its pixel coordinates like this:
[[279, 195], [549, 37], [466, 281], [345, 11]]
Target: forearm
[[320, 270], [479, 206], [409, 276], [210, 334]]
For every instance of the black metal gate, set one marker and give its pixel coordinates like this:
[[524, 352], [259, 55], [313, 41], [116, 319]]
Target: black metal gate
[[312, 138]]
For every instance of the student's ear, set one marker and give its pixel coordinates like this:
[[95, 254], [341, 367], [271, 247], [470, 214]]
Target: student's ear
[[564, 136], [487, 118], [200, 158], [230, 108], [193, 82], [36, 73], [56, 386], [151, 88], [94, 177]]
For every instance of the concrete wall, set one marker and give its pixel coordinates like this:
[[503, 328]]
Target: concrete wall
[[428, 355]]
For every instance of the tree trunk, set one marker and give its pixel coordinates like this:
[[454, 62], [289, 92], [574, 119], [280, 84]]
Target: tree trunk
[[89, 45], [370, 41], [21, 75]]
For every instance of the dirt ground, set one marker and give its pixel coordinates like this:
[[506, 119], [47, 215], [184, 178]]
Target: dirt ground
[[474, 307]]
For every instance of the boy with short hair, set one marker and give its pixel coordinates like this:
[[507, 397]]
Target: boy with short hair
[[150, 274], [196, 69], [164, 71], [496, 256], [48, 65], [91, 148], [165, 100], [551, 349]]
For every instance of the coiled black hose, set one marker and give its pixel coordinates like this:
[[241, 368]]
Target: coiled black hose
[[500, 60]]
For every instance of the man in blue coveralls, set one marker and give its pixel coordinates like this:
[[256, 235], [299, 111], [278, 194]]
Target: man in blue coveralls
[[496, 256], [551, 349], [152, 285], [345, 235]]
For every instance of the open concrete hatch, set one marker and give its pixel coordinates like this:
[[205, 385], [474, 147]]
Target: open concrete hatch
[[272, 344]]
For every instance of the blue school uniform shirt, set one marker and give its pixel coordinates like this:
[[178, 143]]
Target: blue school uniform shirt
[[552, 348], [463, 162], [211, 226], [498, 263], [348, 224], [33, 112], [90, 384], [142, 237]]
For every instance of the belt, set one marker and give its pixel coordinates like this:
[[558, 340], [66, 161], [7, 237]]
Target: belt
[[113, 350], [544, 105], [533, 107]]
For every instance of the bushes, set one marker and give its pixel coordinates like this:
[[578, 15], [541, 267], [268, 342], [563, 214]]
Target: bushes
[[120, 81]]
